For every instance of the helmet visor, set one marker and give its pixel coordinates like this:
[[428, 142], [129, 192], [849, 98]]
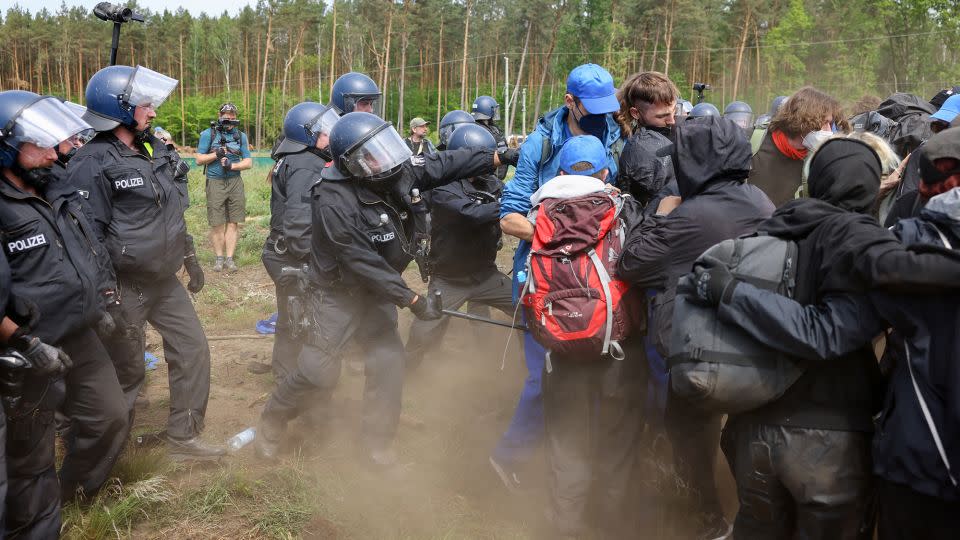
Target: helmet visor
[[323, 123], [381, 153], [147, 88], [481, 115], [447, 130], [46, 123], [742, 119], [362, 103]]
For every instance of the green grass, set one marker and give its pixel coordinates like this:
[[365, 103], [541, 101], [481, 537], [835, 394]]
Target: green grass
[[252, 233]]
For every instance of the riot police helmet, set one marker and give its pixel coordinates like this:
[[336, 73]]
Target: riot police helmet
[[114, 92], [703, 109], [366, 147], [471, 136], [451, 121], [741, 114], [776, 104], [355, 92], [306, 123], [485, 108], [26, 117]]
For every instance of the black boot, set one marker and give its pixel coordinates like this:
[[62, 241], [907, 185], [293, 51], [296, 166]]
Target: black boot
[[193, 449]]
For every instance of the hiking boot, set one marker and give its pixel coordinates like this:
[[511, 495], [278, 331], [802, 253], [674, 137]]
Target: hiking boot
[[193, 449], [259, 368], [218, 265], [507, 475], [229, 266]]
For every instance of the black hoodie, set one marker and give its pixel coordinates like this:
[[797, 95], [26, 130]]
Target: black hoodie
[[843, 251], [711, 159]]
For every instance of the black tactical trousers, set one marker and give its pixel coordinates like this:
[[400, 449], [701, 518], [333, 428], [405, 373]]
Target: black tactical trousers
[[165, 305], [98, 416], [592, 411], [905, 514], [33, 494], [286, 348], [494, 290], [799, 483], [336, 317]]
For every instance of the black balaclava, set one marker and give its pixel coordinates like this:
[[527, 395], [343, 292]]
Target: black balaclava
[[846, 174]]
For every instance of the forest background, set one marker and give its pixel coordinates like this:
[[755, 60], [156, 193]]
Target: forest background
[[431, 56]]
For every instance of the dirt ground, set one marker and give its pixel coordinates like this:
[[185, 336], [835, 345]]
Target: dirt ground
[[455, 408]]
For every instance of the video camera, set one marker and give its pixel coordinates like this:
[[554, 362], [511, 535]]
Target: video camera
[[699, 89], [224, 125], [106, 11]]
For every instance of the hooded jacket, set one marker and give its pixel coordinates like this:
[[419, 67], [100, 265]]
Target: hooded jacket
[[644, 174], [711, 160], [841, 253]]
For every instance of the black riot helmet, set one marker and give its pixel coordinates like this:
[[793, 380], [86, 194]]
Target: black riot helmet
[[471, 136], [703, 109], [741, 114], [366, 147], [776, 104], [451, 121], [355, 88]]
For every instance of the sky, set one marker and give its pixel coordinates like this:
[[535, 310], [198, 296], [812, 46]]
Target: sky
[[195, 7]]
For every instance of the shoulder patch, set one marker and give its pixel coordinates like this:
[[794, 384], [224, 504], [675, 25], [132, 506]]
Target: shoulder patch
[[417, 161]]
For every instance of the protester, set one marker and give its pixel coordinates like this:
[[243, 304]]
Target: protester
[[712, 159], [417, 141]]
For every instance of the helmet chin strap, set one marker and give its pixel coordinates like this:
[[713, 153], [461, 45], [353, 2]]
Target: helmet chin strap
[[324, 153]]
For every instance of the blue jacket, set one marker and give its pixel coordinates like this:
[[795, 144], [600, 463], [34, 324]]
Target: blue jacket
[[531, 173]]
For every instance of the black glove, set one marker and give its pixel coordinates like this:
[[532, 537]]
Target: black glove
[[195, 284], [425, 308], [510, 156], [116, 313], [106, 325], [46, 360], [714, 282], [221, 152], [226, 164], [293, 278]]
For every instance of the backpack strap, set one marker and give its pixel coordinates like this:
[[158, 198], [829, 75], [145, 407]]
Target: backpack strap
[[943, 237], [929, 419], [617, 353]]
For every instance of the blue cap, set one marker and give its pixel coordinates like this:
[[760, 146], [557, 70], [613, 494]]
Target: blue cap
[[593, 86], [949, 110], [580, 151]]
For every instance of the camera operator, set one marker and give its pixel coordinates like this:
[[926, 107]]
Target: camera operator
[[224, 151]]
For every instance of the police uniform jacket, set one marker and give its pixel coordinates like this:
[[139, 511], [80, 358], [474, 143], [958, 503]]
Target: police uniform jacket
[[138, 201], [55, 259], [501, 145], [363, 238], [290, 219], [465, 229]]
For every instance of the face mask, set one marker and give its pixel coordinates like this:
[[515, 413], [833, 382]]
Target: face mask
[[814, 139], [592, 124], [666, 131]]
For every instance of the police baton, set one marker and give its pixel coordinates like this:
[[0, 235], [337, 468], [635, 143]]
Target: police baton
[[476, 318]]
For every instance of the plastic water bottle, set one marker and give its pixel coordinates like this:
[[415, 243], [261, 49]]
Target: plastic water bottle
[[242, 439]]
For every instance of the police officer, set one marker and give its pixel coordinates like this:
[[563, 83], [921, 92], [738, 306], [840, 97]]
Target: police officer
[[464, 239], [53, 261], [355, 92], [301, 158], [451, 121], [741, 114], [363, 229], [486, 111], [138, 191], [704, 109], [56, 258]]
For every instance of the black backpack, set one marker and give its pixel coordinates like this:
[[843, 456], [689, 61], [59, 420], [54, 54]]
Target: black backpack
[[912, 115], [716, 366]]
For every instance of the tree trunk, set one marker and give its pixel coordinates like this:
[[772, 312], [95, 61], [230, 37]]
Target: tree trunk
[[403, 65], [656, 49], [463, 68], [440, 74], [546, 63], [263, 81], [386, 63], [333, 50], [740, 48], [516, 87], [183, 115], [286, 67], [668, 36]]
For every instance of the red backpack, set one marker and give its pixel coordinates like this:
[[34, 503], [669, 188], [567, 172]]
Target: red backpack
[[573, 303]]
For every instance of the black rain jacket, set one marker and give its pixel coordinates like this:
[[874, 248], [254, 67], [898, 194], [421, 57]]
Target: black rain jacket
[[294, 176], [465, 230]]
